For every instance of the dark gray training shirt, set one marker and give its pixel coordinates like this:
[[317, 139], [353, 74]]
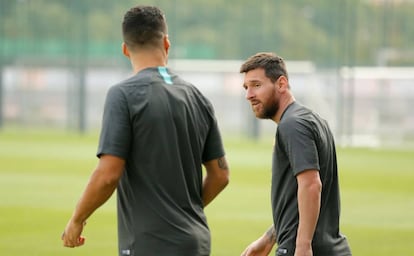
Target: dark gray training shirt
[[304, 141], [165, 129]]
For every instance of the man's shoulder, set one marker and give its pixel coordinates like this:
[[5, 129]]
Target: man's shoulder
[[140, 79], [297, 112], [296, 117], [137, 82]]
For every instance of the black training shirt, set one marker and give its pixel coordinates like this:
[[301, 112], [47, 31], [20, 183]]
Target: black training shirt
[[165, 129], [304, 141]]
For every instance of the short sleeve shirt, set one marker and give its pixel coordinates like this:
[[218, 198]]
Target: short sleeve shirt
[[303, 142], [165, 129]]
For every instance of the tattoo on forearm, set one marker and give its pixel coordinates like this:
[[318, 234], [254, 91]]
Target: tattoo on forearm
[[271, 234], [222, 163]]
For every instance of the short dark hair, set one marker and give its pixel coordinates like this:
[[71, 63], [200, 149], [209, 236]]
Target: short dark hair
[[144, 26], [273, 65]]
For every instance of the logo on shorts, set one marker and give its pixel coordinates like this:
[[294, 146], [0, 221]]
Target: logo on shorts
[[126, 252], [281, 251]]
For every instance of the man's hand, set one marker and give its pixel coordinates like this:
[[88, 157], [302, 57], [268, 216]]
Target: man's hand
[[71, 237], [257, 248], [303, 250], [262, 246]]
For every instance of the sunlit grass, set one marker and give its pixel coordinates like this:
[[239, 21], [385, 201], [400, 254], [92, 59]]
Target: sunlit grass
[[42, 174]]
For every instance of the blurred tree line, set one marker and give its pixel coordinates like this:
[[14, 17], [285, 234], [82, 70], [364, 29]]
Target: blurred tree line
[[329, 32]]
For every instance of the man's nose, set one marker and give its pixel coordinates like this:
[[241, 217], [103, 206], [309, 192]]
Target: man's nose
[[249, 94]]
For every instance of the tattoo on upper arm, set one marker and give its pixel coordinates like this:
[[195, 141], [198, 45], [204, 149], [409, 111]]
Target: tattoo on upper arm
[[271, 234], [222, 163]]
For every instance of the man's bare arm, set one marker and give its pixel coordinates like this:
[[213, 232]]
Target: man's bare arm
[[271, 234], [309, 201], [217, 178], [101, 186]]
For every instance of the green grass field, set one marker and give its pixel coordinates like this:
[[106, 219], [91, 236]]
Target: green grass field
[[42, 174]]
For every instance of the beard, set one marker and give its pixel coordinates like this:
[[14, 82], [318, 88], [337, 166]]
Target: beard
[[269, 107], [269, 110]]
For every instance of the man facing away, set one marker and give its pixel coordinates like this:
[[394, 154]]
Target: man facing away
[[305, 190], [157, 132]]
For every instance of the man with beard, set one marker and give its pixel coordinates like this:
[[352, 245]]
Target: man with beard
[[305, 191]]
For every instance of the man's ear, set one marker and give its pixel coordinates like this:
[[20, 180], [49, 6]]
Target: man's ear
[[167, 43], [125, 50], [283, 83]]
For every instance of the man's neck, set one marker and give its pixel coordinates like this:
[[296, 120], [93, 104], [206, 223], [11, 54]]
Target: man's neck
[[283, 104], [147, 59]]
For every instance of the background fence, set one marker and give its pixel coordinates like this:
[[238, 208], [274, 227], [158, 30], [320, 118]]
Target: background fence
[[352, 61], [365, 106]]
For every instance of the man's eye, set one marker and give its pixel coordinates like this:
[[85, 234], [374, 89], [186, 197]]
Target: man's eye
[[257, 85]]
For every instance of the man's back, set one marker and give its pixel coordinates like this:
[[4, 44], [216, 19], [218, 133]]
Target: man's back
[[157, 132], [168, 130]]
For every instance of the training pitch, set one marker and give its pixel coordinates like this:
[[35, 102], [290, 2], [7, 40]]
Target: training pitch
[[42, 174]]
